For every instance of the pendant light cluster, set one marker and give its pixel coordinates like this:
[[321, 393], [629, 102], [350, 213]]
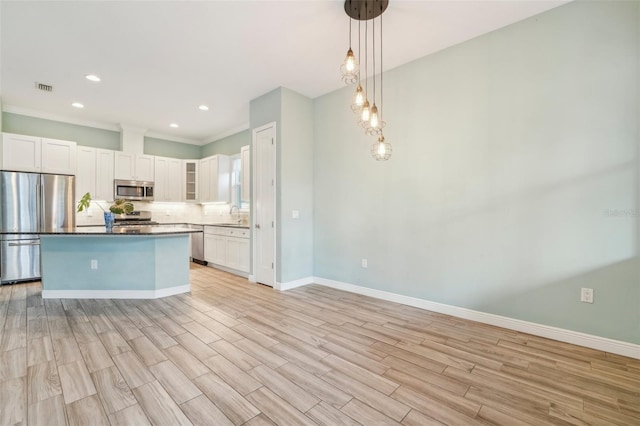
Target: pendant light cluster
[[364, 103]]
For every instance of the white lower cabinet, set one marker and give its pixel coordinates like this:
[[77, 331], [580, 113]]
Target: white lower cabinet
[[227, 247]]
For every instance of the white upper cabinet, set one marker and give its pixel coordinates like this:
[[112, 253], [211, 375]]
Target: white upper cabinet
[[104, 174], [130, 166], [32, 154], [58, 157], [86, 172], [190, 169], [245, 186], [21, 153], [168, 179], [214, 179], [204, 180], [95, 173]]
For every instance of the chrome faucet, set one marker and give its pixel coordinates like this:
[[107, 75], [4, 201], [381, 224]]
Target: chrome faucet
[[237, 210]]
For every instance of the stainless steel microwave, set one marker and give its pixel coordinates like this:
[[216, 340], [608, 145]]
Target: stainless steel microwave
[[133, 190]]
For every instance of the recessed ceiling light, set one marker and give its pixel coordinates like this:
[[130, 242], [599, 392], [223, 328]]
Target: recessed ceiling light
[[174, 125], [77, 105], [203, 108], [92, 77]]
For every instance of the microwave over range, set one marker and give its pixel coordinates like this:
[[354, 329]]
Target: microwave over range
[[133, 190]]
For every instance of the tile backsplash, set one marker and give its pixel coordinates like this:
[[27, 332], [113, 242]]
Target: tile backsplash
[[169, 213]]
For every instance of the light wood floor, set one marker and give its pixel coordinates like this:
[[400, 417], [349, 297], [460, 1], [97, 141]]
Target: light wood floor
[[238, 353]]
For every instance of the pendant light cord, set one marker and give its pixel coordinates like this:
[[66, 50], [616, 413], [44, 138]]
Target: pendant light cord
[[374, 60], [349, 25], [381, 69], [366, 56], [359, 50]]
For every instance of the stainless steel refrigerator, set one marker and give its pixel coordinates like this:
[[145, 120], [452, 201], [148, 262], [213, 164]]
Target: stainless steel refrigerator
[[31, 203]]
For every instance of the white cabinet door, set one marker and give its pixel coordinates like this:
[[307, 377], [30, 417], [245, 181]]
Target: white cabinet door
[[58, 157], [125, 166], [161, 179], [209, 247], [190, 168], [222, 179], [130, 166], [21, 153], [204, 184], [238, 253], [214, 179], [215, 249], [174, 176], [104, 174], [245, 188], [144, 167], [86, 172]]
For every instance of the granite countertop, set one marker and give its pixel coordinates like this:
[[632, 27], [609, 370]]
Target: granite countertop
[[226, 225], [101, 230]]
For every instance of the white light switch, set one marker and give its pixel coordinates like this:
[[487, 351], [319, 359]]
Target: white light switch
[[295, 214]]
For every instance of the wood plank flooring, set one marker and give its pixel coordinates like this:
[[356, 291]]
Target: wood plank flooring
[[235, 353]]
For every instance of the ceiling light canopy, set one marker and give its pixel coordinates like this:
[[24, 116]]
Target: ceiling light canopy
[[203, 108], [369, 113], [92, 77], [77, 105], [174, 125]]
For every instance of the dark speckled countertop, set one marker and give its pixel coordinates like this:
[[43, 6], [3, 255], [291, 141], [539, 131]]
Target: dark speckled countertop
[[101, 230]]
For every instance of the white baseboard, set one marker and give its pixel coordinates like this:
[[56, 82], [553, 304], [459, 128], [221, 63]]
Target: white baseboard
[[115, 294], [252, 279], [229, 270], [582, 339], [293, 284]]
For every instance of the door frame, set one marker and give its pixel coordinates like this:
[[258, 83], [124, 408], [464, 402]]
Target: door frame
[[254, 257]]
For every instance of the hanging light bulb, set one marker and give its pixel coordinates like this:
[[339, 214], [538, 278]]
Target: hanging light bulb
[[365, 116], [374, 123], [349, 68], [358, 96], [350, 61], [381, 150]]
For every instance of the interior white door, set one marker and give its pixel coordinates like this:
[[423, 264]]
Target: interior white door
[[264, 200]]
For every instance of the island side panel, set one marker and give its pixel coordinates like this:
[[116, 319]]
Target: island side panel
[[172, 264], [127, 266]]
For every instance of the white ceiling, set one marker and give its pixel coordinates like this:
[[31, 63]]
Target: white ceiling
[[159, 60]]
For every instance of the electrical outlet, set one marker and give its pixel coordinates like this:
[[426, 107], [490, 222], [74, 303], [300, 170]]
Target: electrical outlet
[[89, 213], [94, 264], [295, 214], [586, 295], [168, 213], [365, 263]]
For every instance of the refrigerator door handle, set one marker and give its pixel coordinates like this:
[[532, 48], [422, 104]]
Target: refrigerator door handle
[[40, 203], [26, 243]]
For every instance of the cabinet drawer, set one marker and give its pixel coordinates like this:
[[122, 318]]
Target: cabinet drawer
[[215, 230], [238, 232]]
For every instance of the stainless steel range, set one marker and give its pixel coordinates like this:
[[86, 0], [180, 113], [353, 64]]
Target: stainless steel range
[[134, 219]]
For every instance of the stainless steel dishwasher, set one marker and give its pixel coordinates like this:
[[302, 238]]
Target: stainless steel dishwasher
[[197, 244]]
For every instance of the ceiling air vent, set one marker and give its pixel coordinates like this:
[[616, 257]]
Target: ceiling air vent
[[44, 87]]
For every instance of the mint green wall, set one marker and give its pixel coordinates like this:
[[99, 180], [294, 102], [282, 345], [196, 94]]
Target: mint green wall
[[82, 135], [514, 179], [293, 115], [264, 110], [296, 186], [165, 148], [227, 146]]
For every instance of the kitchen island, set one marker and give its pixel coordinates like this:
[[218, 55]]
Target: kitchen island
[[122, 263]]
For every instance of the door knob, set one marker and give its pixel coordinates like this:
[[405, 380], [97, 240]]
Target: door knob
[[257, 226]]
